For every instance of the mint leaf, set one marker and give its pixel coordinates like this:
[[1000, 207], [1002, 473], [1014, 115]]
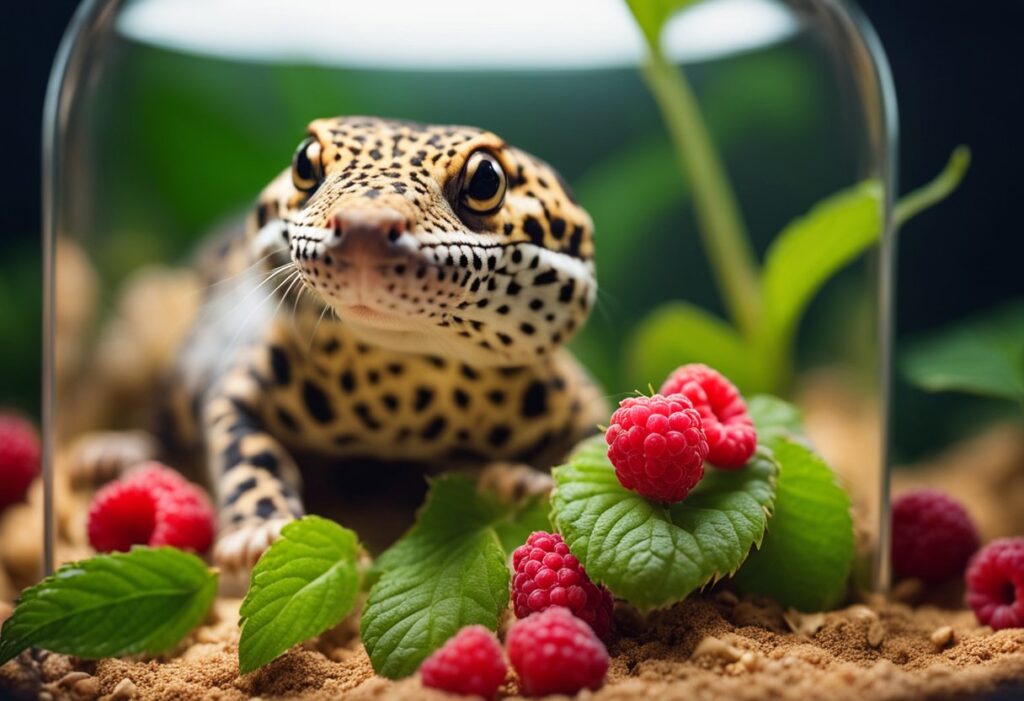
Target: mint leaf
[[676, 333], [807, 555], [649, 554], [983, 356], [144, 600], [305, 583], [449, 570], [774, 418]]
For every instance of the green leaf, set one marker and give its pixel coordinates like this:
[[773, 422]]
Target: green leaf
[[305, 583], [448, 571], [651, 15], [808, 552], [677, 333], [811, 249], [145, 600], [983, 356], [774, 418], [647, 553]]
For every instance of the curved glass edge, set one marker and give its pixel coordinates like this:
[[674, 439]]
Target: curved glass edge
[[888, 146], [91, 17], [874, 80], [873, 77]]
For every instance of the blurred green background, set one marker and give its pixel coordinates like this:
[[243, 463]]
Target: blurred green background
[[181, 143]]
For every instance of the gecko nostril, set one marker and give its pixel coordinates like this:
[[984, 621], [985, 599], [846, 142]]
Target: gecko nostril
[[393, 234]]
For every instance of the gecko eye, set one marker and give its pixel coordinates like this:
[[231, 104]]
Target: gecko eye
[[483, 184], [307, 169]]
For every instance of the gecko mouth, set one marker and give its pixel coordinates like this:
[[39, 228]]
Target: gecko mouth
[[371, 316]]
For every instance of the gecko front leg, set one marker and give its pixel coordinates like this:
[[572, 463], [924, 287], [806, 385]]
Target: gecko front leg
[[255, 480]]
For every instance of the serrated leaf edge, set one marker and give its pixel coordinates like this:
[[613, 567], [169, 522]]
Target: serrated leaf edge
[[289, 533], [9, 650], [573, 461]]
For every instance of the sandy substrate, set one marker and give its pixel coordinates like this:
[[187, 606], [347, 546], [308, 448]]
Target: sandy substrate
[[711, 647], [923, 645]]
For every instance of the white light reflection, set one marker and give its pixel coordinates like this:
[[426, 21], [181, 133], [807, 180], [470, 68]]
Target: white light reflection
[[447, 34]]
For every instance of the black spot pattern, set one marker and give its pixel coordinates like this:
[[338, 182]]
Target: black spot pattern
[[534, 230], [499, 435], [424, 396], [317, 403], [266, 460], [348, 381], [366, 416], [286, 419], [265, 507], [240, 489], [280, 366], [433, 429], [535, 400]]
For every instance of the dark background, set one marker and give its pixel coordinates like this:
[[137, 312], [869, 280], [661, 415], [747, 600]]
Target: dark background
[[957, 71]]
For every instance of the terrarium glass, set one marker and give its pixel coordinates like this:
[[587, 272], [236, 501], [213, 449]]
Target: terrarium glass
[[165, 119]]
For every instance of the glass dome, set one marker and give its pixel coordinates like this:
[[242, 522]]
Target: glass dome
[[166, 119]]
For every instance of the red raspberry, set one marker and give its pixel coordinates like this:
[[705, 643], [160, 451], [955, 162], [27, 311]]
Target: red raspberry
[[156, 477], [120, 516], [470, 663], [995, 584], [554, 652], [933, 537], [19, 458], [658, 446], [547, 574], [152, 506], [731, 435], [185, 520]]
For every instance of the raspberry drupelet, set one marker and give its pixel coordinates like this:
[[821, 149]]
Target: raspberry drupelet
[[658, 446], [546, 574]]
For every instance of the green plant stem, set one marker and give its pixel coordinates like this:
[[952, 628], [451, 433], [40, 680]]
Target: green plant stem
[[718, 216], [935, 191]]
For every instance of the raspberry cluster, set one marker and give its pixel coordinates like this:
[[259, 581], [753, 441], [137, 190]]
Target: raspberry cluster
[[546, 574], [554, 652], [658, 446], [933, 537], [151, 506], [19, 457], [470, 663], [729, 429], [995, 584]]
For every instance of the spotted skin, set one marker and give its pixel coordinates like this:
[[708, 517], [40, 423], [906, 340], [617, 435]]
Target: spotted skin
[[406, 325]]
